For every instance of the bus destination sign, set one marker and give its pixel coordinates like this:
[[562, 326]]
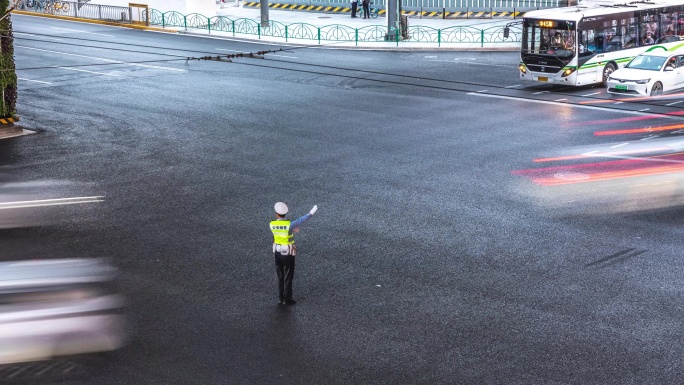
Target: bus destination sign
[[547, 24]]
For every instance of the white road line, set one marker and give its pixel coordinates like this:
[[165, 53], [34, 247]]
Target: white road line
[[430, 57], [36, 36], [595, 93], [105, 60], [597, 108], [290, 57], [50, 202], [645, 109], [79, 31], [560, 100], [515, 86], [540, 92], [618, 102], [228, 50], [90, 72], [481, 91], [673, 103], [620, 145], [36, 81]]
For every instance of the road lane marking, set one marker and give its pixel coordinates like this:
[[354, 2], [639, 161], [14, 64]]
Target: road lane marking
[[618, 102], [105, 60], [592, 94], [430, 57], [37, 81], [50, 202], [291, 57], [583, 106], [90, 72], [619, 145], [645, 109], [560, 100], [228, 50], [515, 86], [673, 103], [540, 92], [79, 31]]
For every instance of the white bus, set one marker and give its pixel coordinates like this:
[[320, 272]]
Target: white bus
[[584, 44]]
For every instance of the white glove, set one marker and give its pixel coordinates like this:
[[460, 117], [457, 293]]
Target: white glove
[[313, 210]]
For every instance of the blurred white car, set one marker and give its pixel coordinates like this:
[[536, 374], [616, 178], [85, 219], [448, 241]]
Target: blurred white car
[[649, 74], [53, 308]]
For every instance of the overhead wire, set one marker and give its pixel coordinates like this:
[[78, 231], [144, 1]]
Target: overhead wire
[[212, 56]]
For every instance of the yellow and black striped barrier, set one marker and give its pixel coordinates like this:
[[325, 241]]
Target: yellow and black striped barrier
[[9, 121], [330, 9]]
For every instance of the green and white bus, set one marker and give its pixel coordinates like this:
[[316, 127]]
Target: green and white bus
[[584, 44]]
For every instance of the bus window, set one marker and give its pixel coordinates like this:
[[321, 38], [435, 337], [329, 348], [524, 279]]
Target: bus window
[[586, 43], [649, 26]]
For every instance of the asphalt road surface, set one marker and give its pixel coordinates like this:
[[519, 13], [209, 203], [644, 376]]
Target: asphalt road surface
[[457, 239]]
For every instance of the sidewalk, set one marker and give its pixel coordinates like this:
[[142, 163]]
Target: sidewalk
[[425, 30]]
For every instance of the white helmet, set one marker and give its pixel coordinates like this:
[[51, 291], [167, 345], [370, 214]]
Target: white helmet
[[280, 208]]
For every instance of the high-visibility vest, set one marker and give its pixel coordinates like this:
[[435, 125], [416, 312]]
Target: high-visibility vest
[[281, 232]]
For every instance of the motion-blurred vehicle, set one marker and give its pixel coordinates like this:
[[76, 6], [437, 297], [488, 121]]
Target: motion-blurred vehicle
[[649, 74], [56, 308]]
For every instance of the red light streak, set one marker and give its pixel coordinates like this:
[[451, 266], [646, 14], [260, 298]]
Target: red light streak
[[622, 120], [602, 154], [601, 171], [603, 176], [639, 130]]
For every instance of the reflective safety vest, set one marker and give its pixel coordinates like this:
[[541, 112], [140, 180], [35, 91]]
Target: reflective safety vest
[[281, 232]]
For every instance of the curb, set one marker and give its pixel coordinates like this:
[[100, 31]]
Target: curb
[[9, 130], [13, 132]]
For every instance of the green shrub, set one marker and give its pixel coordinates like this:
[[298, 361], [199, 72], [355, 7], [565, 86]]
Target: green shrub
[[8, 75]]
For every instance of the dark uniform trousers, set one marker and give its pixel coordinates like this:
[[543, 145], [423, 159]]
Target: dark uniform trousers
[[285, 267], [355, 5]]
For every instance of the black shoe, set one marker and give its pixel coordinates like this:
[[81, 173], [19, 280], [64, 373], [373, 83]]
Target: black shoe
[[290, 302]]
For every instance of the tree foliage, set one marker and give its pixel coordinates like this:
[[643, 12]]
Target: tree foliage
[[8, 75]]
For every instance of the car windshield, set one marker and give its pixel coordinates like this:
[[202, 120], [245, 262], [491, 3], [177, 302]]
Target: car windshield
[[647, 62]]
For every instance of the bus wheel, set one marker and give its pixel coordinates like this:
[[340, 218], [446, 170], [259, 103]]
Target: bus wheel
[[607, 70], [657, 89]]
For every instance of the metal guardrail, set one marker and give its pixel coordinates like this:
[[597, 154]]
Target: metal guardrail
[[334, 32], [79, 9]]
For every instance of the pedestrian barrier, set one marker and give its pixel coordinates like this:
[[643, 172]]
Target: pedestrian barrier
[[79, 9], [334, 32]]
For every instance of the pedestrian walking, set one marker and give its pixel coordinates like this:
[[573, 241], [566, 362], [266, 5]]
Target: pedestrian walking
[[284, 250], [355, 6], [366, 9]]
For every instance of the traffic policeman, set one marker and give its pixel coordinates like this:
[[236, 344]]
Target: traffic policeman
[[285, 250]]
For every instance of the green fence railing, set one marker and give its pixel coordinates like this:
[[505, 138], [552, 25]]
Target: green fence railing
[[335, 32]]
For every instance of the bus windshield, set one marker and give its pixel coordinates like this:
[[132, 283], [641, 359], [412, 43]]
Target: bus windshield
[[557, 40]]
